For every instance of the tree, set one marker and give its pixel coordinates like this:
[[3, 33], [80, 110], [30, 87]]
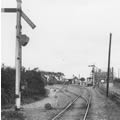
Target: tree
[[82, 79]]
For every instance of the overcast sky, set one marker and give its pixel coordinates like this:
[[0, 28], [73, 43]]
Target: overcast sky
[[70, 35]]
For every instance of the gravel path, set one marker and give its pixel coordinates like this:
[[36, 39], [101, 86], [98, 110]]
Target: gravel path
[[103, 108]]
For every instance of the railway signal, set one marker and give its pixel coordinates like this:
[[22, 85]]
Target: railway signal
[[93, 73], [21, 40]]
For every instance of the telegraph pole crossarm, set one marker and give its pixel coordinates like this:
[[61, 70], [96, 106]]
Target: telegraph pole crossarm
[[21, 40]]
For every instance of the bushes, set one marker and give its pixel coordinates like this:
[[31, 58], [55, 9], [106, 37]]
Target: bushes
[[7, 85], [31, 79], [35, 84], [32, 84], [12, 115], [117, 82]]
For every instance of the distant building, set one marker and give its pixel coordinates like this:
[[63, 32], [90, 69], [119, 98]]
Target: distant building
[[102, 75]]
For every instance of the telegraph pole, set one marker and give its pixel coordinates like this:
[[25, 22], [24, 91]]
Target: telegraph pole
[[21, 40], [108, 71]]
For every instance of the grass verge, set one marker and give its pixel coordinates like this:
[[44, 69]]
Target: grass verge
[[12, 115]]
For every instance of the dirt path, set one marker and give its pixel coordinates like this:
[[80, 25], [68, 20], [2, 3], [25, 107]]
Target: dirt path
[[36, 110], [103, 108]]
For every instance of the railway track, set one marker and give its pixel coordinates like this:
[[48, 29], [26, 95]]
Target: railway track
[[88, 105], [87, 101]]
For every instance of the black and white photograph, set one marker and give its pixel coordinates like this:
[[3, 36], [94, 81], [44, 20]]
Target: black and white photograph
[[60, 59]]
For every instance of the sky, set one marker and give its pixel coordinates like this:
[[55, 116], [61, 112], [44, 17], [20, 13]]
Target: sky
[[70, 35]]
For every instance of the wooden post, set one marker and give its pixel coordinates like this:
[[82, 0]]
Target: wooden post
[[18, 57], [108, 71]]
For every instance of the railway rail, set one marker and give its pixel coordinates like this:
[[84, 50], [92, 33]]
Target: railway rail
[[88, 105], [88, 102]]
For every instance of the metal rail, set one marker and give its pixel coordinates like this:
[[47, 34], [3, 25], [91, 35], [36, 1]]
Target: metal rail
[[70, 104], [88, 106]]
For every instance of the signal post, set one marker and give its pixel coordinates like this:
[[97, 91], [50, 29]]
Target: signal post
[[21, 40]]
